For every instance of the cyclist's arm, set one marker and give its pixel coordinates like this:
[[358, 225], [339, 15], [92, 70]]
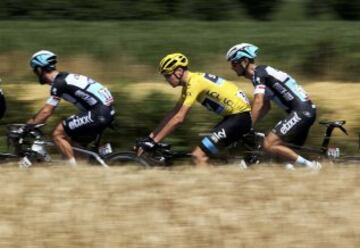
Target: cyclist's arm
[[46, 111], [166, 119], [172, 122], [260, 106], [187, 99], [41, 117]]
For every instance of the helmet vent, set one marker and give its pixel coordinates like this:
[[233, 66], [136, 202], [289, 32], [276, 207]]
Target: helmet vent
[[171, 64]]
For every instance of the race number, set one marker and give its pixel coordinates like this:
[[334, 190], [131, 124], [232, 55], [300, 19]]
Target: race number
[[105, 96], [213, 78]]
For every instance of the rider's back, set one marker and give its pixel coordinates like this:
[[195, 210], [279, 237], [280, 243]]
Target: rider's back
[[82, 91], [215, 93], [280, 87]]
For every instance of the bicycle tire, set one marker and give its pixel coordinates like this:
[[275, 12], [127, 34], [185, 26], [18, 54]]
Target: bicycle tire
[[126, 158], [4, 156]]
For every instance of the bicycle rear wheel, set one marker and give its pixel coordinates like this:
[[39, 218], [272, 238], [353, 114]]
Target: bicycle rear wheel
[[126, 158]]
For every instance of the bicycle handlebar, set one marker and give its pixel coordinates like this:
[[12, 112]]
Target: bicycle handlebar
[[338, 123]]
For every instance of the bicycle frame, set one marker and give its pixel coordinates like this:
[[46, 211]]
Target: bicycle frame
[[163, 152], [93, 154], [36, 148], [324, 148]]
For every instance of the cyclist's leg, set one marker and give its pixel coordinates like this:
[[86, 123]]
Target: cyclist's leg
[[200, 157], [79, 127], [62, 141], [83, 128], [274, 145], [76, 128], [230, 129], [293, 129], [200, 153]]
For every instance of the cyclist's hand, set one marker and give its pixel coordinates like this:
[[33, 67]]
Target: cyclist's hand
[[250, 135], [27, 128], [253, 139]]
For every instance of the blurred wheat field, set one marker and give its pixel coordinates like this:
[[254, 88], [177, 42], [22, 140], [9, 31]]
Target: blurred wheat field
[[183, 207]]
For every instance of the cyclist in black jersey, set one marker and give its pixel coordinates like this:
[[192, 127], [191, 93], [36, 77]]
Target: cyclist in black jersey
[[274, 85], [94, 101]]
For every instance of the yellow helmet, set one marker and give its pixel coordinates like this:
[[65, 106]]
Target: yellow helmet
[[172, 61]]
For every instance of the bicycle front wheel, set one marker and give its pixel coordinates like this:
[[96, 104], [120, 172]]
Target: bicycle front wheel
[[126, 158]]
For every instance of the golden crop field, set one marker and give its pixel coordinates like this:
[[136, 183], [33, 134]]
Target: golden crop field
[[184, 207]]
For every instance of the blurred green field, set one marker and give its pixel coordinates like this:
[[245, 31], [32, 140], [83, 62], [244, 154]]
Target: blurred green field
[[131, 50]]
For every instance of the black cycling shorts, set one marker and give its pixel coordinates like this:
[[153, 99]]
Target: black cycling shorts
[[295, 127], [229, 130], [85, 126]]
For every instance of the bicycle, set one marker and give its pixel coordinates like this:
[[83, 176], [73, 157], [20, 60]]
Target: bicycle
[[163, 155], [28, 146], [252, 152], [333, 154]]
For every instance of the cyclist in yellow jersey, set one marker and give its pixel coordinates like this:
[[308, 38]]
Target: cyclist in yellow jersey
[[213, 92]]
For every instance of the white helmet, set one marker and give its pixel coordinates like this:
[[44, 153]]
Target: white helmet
[[43, 59], [240, 51]]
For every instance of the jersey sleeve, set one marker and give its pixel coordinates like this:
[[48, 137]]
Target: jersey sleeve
[[53, 101], [262, 80], [259, 84], [190, 93], [56, 92]]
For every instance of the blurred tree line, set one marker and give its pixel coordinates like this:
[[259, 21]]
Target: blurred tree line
[[164, 9]]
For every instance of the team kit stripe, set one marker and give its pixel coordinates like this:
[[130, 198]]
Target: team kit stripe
[[209, 145]]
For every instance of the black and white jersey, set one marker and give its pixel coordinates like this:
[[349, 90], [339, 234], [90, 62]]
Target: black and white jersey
[[281, 88], [84, 92]]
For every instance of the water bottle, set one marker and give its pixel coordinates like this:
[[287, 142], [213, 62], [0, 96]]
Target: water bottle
[[337, 152]]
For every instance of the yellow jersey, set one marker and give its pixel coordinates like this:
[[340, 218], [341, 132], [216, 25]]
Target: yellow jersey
[[215, 93]]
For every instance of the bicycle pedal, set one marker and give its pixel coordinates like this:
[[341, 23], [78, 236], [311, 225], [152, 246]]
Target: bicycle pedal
[[24, 163], [242, 165], [105, 149]]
